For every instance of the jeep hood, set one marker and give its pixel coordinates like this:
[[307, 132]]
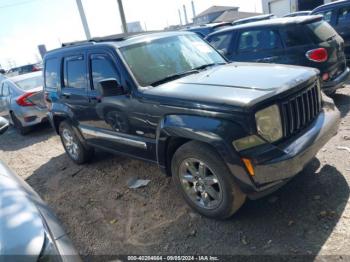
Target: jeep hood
[[237, 84]]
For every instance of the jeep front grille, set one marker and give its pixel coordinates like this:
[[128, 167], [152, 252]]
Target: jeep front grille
[[300, 110]]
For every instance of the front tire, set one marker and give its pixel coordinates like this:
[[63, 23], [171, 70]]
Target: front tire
[[205, 182], [76, 151]]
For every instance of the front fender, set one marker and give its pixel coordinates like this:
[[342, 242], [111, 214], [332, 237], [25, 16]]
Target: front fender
[[219, 133]]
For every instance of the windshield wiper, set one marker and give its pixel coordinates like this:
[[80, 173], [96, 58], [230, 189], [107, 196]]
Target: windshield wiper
[[207, 65], [173, 77]]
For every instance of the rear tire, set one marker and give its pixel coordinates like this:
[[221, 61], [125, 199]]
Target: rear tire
[[18, 125], [74, 148], [188, 164]]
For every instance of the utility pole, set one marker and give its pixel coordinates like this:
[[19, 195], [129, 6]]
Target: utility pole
[[83, 19], [185, 14], [180, 16], [122, 16], [193, 9]]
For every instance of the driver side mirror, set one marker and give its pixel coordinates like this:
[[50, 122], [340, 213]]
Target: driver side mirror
[[110, 87], [4, 125]]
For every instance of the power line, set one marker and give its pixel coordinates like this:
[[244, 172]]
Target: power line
[[17, 4]]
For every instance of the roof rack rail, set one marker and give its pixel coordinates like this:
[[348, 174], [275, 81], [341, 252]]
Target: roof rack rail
[[116, 37]]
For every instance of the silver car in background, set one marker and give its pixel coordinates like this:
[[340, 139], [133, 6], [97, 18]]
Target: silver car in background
[[21, 100], [29, 230]]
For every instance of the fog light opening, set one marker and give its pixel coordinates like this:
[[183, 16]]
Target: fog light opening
[[249, 166]]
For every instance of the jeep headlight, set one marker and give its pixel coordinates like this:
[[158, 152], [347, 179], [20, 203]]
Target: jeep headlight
[[269, 124]]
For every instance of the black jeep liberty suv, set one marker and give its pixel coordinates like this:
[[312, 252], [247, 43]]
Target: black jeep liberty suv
[[223, 131]]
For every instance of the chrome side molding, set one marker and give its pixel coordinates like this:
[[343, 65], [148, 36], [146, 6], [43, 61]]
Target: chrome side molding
[[114, 138]]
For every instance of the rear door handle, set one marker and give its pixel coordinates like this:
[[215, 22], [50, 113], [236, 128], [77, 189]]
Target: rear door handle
[[66, 95], [95, 99]]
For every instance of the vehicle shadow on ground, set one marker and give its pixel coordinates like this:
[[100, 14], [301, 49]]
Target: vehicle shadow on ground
[[12, 140], [103, 216], [342, 101]]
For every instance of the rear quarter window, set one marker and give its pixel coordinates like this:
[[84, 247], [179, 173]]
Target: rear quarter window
[[52, 73], [321, 31], [294, 36], [344, 16]]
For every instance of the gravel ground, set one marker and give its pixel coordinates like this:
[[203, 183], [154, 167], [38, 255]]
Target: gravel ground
[[310, 215]]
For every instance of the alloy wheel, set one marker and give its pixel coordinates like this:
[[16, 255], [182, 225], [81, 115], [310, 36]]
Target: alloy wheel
[[200, 183], [70, 143]]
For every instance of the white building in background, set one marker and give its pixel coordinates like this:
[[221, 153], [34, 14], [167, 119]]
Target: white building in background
[[283, 7]]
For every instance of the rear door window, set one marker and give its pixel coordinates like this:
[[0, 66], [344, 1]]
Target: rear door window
[[344, 16], [255, 40], [221, 41], [102, 68], [75, 72], [52, 69], [321, 31]]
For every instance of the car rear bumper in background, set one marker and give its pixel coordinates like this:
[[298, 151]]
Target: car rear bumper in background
[[275, 167], [330, 86], [30, 116]]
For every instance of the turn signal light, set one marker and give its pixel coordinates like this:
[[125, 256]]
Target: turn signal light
[[249, 166]]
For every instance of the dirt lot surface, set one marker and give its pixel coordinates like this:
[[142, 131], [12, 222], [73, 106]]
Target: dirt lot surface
[[310, 215]]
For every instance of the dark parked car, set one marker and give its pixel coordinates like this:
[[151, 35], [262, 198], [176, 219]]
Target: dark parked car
[[24, 69], [337, 14], [304, 40], [206, 29], [223, 131], [253, 19], [299, 13], [29, 229]]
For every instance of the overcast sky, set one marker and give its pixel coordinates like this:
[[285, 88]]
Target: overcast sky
[[27, 23]]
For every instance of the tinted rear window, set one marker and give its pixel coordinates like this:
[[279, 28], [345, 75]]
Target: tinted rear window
[[322, 31], [294, 36]]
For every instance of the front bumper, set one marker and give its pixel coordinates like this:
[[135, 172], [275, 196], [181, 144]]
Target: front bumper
[[330, 86], [275, 165]]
